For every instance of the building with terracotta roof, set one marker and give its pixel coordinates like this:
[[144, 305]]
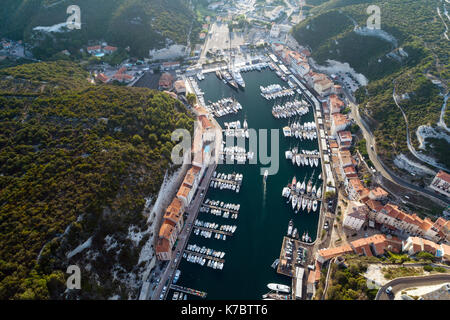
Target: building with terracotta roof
[[165, 81], [414, 245], [166, 239], [94, 49], [324, 255], [355, 216], [336, 104], [185, 194], [350, 172], [372, 246], [324, 87], [354, 188], [103, 78], [339, 122], [180, 87], [374, 205], [109, 49], [378, 194], [163, 250], [174, 214], [391, 217], [441, 183], [344, 139], [122, 77]]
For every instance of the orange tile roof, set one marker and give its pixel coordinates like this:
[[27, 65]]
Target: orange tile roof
[[443, 176], [379, 192], [184, 191], [166, 230], [340, 119], [356, 184], [175, 211], [335, 252], [162, 245], [374, 205]]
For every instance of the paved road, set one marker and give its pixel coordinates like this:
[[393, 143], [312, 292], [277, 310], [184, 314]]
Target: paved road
[[192, 212], [410, 282], [382, 168]]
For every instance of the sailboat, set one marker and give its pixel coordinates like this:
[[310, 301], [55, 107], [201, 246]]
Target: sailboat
[[294, 201], [316, 162], [303, 186], [304, 203], [319, 192], [294, 182], [298, 160], [299, 203], [309, 186], [309, 205]]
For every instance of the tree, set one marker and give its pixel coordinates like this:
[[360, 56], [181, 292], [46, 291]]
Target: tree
[[192, 99]]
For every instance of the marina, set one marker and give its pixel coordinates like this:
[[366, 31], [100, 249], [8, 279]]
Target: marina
[[290, 109], [263, 214], [223, 107], [227, 182]]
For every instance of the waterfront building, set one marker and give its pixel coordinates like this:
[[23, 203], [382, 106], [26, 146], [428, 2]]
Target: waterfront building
[[185, 194], [174, 215], [180, 87], [356, 216], [441, 183], [163, 250], [336, 104], [344, 139], [339, 122], [166, 239]]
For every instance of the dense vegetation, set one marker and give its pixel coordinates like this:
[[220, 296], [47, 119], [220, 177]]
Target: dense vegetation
[[348, 282], [416, 28], [149, 22], [83, 157]]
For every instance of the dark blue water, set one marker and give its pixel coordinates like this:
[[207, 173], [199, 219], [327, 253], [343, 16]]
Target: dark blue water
[[264, 214]]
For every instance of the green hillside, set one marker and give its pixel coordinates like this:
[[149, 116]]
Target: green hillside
[[140, 24], [86, 157], [414, 26]]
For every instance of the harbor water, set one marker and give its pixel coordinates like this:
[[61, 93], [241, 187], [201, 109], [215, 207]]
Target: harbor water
[[264, 214]]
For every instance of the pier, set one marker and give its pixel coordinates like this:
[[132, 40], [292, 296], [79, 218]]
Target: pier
[[214, 230], [232, 182], [290, 261], [220, 208], [201, 255], [193, 292]]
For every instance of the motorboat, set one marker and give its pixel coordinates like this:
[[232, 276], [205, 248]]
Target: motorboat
[[314, 205], [279, 287]]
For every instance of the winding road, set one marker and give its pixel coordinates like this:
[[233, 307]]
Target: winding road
[[410, 282], [383, 169], [411, 149]]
